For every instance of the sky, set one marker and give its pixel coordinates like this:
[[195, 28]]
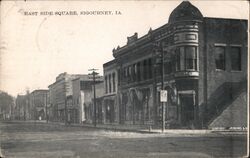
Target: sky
[[34, 49]]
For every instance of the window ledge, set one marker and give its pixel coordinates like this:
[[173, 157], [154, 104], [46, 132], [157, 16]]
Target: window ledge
[[109, 94], [236, 71], [220, 70], [186, 74]]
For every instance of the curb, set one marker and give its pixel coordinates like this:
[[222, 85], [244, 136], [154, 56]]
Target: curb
[[114, 129], [145, 130]]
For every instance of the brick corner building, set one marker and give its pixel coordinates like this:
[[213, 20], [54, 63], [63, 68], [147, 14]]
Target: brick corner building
[[202, 63]]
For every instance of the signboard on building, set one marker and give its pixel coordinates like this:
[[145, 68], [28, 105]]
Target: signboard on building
[[163, 95]]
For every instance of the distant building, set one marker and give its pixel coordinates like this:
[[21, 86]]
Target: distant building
[[82, 107], [110, 98], [58, 93], [38, 104], [7, 106], [70, 98], [21, 108], [205, 73]]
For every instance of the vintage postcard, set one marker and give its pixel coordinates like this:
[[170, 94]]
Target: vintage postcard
[[88, 79]]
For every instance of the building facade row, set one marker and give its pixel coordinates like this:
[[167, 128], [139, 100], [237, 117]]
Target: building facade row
[[200, 61], [32, 106]]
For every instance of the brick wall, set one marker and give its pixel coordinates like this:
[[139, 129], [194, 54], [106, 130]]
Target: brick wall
[[235, 115]]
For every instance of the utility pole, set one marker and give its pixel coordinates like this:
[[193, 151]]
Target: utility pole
[[46, 112], [162, 88], [160, 60], [94, 76], [65, 111], [27, 105], [65, 106]]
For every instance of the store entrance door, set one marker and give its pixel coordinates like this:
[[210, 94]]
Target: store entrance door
[[187, 109]]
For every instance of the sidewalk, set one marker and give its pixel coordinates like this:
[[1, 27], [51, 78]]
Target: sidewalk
[[146, 128]]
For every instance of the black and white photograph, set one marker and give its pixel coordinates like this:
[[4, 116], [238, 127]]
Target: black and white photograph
[[124, 79]]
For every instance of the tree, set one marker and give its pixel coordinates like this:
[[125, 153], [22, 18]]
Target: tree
[[6, 103]]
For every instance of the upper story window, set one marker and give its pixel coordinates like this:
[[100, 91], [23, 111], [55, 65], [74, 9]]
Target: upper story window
[[138, 71], [113, 79], [109, 83], [142, 70], [106, 84], [167, 64], [135, 67], [125, 72], [167, 67], [119, 76], [145, 69], [133, 72], [150, 68], [186, 58], [178, 61], [191, 58], [129, 73], [220, 58], [235, 58]]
